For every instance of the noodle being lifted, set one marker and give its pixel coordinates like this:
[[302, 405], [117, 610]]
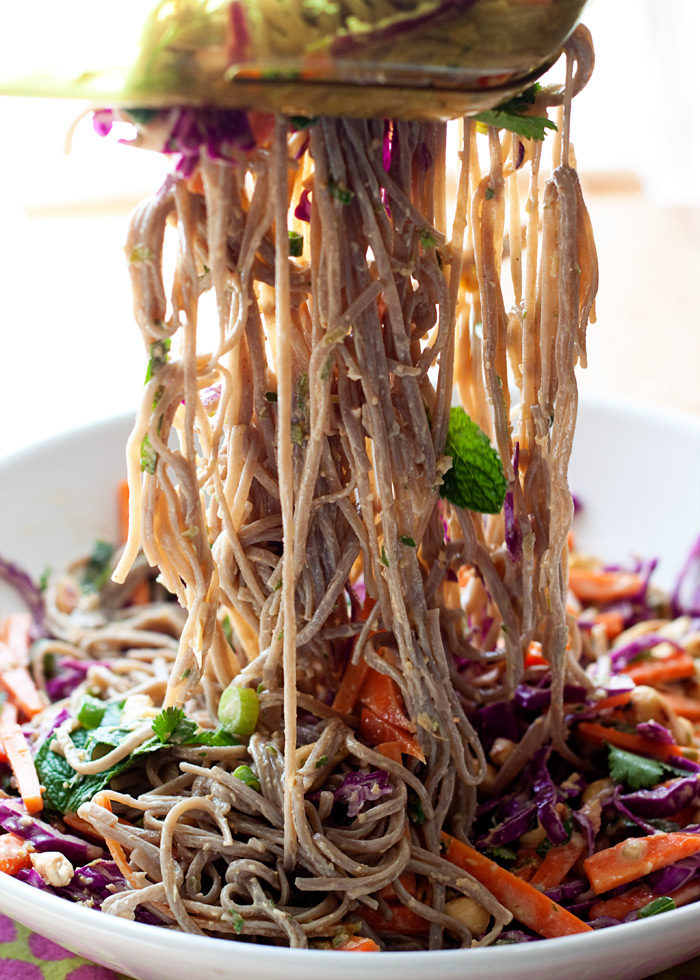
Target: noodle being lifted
[[363, 575]]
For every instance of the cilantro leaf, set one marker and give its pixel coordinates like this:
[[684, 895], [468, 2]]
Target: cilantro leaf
[[173, 725], [476, 479], [634, 770], [158, 357], [514, 115]]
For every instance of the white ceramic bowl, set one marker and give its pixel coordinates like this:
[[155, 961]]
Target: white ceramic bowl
[[637, 473]]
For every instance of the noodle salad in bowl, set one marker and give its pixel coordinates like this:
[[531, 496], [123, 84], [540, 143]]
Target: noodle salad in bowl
[[344, 682]]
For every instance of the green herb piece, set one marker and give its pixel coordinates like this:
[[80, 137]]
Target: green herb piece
[[238, 710], [408, 541], [296, 433], [227, 627], [270, 396], [634, 770], [139, 254], [44, 579], [340, 193], [502, 855], [514, 115], [247, 776], [142, 115], [149, 457], [426, 238], [489, 193], [158, 352], [91, 711], [173, 724], [476, 479], [97, 567], [303, 122], [322, 762], [237, 920], [385, 560], [414, 807], [296, 244], [662, 904]]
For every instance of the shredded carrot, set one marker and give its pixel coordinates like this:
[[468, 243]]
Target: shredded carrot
[[408, 880], [377, 731], [402, 920], [533, 657], [22, 690], [612, 621], [613, 701], [685, 707], [16, 635], [14, 854], [558, 861], [593, 586], [21, 762], [677, 666], [381, 695], [8, 714], [123, 510], [630, 741], [636, 857], [350, 686], [392, 750], [619, 906], [527, 904], [359, 944]]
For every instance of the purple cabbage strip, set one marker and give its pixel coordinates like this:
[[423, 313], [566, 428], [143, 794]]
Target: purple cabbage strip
[[513, 537], [586, 826], [28, 591], [70, 674], [303, 209], [515, 936], [619, 805], [656, 732], [545, 793], [664, 801], [535, 698], [675, 875], [31, 876], [510, 829], [624, 655], [358, 788], [569, 890], [685, 598], [15, 819]]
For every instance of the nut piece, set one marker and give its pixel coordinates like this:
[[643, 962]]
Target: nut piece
[[54, 867], [470, 913]]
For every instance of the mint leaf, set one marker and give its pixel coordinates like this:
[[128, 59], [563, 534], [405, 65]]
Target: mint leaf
[[158, 357], [97, 567], [476, 479], [514, 115], [634, 770], [149, 457]]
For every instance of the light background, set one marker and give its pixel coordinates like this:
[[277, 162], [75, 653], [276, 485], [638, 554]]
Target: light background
[[70, 353]]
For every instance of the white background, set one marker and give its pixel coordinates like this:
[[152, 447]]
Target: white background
[[70, 353]]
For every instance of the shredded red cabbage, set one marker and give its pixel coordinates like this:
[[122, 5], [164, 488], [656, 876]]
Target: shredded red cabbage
[[15, 819], [358, 788], [28, 591]]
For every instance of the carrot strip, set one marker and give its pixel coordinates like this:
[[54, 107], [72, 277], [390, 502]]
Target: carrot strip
[[350, 686], [614, 701], [592, 586], [685, 707], [141, 594], [678, 666], [392, 750], [621, 905], [19, 685], [8, 714], [377, 731], [557, 862], [381, 695], [630, 741], [123, 510], [408, 880], [527, 904], [359, 944], [14, 854], [16, 635], [612, 621], [403, 920], [636, 857], [22, 764], [533, 657]]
